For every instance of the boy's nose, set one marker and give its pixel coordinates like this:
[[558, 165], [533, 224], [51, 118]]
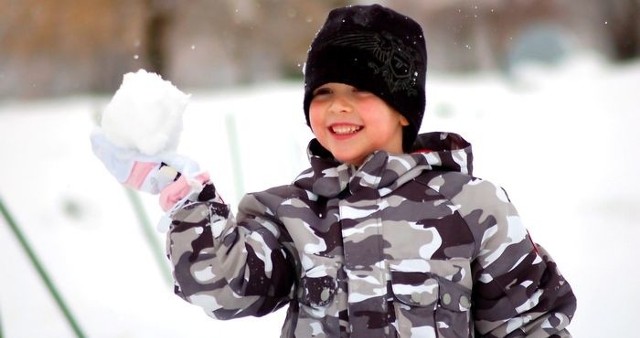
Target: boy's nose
[[341, 104]]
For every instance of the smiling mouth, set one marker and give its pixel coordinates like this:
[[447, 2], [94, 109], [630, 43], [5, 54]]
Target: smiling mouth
[[345, 130]]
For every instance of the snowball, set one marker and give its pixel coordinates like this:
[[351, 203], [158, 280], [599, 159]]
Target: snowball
[[145, 114]]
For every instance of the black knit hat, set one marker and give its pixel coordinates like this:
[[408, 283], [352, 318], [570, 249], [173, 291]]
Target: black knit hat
[[376, 49]]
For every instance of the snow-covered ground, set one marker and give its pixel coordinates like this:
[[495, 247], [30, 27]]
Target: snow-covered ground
[[562, 141]]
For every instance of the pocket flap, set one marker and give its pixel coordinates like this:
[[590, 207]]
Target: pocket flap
[[445, 283], [414, 290]]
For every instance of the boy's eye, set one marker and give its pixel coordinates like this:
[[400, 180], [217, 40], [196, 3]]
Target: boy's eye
[[321, 91], [361, 91]]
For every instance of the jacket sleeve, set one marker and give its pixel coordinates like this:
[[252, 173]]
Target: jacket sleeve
[[518, 290], [230, 267]]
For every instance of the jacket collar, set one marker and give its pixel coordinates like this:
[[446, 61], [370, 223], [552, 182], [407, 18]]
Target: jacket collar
[[381, 172]]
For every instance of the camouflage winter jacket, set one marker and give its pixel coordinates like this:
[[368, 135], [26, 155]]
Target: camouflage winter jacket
[[406, 245]]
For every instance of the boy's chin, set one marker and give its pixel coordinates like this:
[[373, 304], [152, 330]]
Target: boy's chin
[[351, 160]]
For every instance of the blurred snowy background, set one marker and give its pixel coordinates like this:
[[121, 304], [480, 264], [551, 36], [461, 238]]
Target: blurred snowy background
[[556, 129]]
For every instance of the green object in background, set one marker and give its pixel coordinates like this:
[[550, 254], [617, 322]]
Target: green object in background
[[149, 234], [35, 261]]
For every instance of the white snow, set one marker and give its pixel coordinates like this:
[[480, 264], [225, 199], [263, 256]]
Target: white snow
[[145, 114], [562, 141]]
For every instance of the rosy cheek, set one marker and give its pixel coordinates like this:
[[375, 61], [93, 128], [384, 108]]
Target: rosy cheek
[[370, 110], [366, 106], [315, 118]]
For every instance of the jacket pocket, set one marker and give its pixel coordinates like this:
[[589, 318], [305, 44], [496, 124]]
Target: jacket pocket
[[432, 297], [318, 285]]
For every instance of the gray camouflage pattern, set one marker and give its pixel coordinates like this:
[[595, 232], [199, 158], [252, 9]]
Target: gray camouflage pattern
[[406, 245]]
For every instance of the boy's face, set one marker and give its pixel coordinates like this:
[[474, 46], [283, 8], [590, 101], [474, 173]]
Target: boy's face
[[352, 124]]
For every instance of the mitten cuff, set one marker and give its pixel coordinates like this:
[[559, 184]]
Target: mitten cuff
[[180, 189]]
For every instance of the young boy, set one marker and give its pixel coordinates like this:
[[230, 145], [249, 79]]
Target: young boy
[[388, 234]]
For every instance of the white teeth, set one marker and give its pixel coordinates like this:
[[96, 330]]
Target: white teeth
[[345, 129]]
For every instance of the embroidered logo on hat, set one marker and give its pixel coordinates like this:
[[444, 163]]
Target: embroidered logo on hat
[[391, 58]]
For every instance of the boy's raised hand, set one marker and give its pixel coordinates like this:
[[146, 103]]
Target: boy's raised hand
[[171, 175]]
